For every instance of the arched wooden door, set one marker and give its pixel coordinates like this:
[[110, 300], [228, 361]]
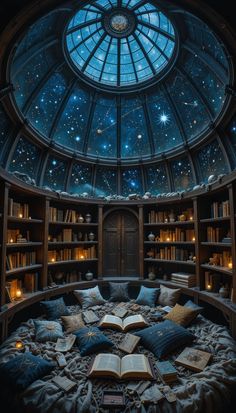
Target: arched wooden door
[[120, 244]]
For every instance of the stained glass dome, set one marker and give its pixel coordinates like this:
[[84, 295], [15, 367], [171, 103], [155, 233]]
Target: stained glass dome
[[118, 96]]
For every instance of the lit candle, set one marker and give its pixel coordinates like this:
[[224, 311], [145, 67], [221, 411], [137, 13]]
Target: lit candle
[[168, 239], [191, 218], [193, 239], [82, 257], [19, 345], [209, 286], [11, 240], [230, 265], [18, 294], [53, 260], [20, 215]]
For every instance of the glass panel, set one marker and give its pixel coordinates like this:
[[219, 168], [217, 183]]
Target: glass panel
[[5, 125], [166, 131], [72, 126], [131, 182], [182, 174], [103, 134], [25, 158], [157, 181], [106, 182], [80, 180], [46, 104], [231, 132], [55, 173], [134, 135], [211, 161]]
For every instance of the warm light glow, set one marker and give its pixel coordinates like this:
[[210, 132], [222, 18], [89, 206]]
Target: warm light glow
[[168, 239], [193, 239], [166, 219], [209, 286], [20, 215], [230, 265], [11, 240], [53, 260], [81, 257], [191, 218], [18, 294], [19, 345]]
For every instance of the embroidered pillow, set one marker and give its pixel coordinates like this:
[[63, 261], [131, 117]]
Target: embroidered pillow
[[47, 330], [181, 315], [54, 309], [72, 323], [119, 292], [22, 370], [168, 296], [92, 340], [89, 297], [165, 337], [147, 296]]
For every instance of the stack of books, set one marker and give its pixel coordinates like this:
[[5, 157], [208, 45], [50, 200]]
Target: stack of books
[[184, 279], [166, 371]]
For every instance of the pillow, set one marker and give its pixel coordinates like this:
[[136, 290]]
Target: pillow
[[147, 296], [191, 304], [47, 330], [181, 315], [119, 292], [89, 297], [168, 296], [55, 308], [91, 340], [164, 337], [22, 370], [72, 322]]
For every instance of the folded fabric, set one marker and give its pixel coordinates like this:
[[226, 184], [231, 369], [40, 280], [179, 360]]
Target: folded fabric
[[89, 297], [147, 296], [91, 340], [54, 309]]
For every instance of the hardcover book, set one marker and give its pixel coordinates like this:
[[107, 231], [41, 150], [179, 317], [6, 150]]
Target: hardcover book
[[119, 311], [135, 366], [63, 383], [129, 343], [193, 359], [166, 371], [133, 321], [65, 344], [90, 317]]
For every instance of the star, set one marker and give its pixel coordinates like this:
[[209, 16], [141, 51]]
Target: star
[[164, 118]]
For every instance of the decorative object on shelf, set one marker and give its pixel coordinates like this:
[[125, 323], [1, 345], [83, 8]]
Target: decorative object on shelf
[[151, 274], [89, 275], [80, 236], [80, 219], [18, 294], [91, 236], [224, 291], [88, 218], [58, 277], [165, 277], [171, 216], [151, 237], [19, 346], [230, 265], [182, 217]]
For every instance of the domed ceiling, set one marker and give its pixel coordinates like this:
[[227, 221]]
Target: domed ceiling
[[124, 96]]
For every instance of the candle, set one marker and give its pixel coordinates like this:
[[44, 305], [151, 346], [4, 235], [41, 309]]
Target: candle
[[193, 239], [18, 294], [19, 345], [82, 257], [11, 240], [53, 260], [191, 218], [20, 215], [168, 239], [209, 286], [230, 265]]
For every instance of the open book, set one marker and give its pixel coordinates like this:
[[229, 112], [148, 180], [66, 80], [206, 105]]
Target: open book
[[133, 321], [135, 366]]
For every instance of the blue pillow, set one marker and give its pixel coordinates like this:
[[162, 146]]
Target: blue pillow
[[54, 309], [119, 292], [147, 296], [47, 330], [91, 340], [165, 337], [89, 297], [22, 370], [191, 304]]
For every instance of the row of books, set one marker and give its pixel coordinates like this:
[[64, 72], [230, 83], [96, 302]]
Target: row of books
[[169, 253], [214, 234], [67, 235], [68, 254], [155, 217], [16, 209], [15, 236], [20, 259], [177, 235], [220, 209], [184, 279], [66, 215]]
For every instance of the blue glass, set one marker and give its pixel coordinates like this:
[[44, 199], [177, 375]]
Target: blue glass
[[231, 134], [131, 182], [166, 132], [211, 161], [25, 158], [80, 180], [55, 173], [45, 106], [5, 125], [193, 113], [72, 125], [96, 49], [134, 135], [182, 174], [157, 181], [103, 133], [106, 182]]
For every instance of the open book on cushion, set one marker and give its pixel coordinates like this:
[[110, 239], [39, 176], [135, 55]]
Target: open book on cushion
[[136, 366], [133, 321]]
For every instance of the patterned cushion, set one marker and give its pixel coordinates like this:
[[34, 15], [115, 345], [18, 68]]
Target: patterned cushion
[[181, 315], [119, 292], [164, 337], [22, 370], [191, 304], [55, 308], [47, 330], [72, 322], [89, 297], [168, 296], [147, 296], [92, 340]]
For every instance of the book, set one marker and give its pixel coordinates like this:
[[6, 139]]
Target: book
[[63, 383], [135, 366], [129, 343], [152, 394], [119, 311], [90, 317], [167, 308], [65, 344], [133, 321], [166, 371], [113, 399], [193, 359]]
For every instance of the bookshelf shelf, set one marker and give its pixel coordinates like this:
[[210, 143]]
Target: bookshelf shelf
[[51, 264], [214, 220], [74, 243], [223, 270], [169, 224], [74, 224], [24, 220], [217, 244], [24, 244], [29, 268], [169, 243], [153, 260]]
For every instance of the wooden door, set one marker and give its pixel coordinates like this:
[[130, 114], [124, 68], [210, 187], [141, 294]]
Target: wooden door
[[120, 245]]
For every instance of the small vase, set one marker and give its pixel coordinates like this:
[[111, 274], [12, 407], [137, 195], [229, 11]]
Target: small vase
[[80, 219], [88, 218], [224, 291], [172, 216], [91, 236], [89, 275], [151, 275], [151, 237]]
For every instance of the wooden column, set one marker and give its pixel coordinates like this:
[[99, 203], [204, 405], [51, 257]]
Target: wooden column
[[100, 241], [232, 200], [141, 256], [3, 241], [44, 280]]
